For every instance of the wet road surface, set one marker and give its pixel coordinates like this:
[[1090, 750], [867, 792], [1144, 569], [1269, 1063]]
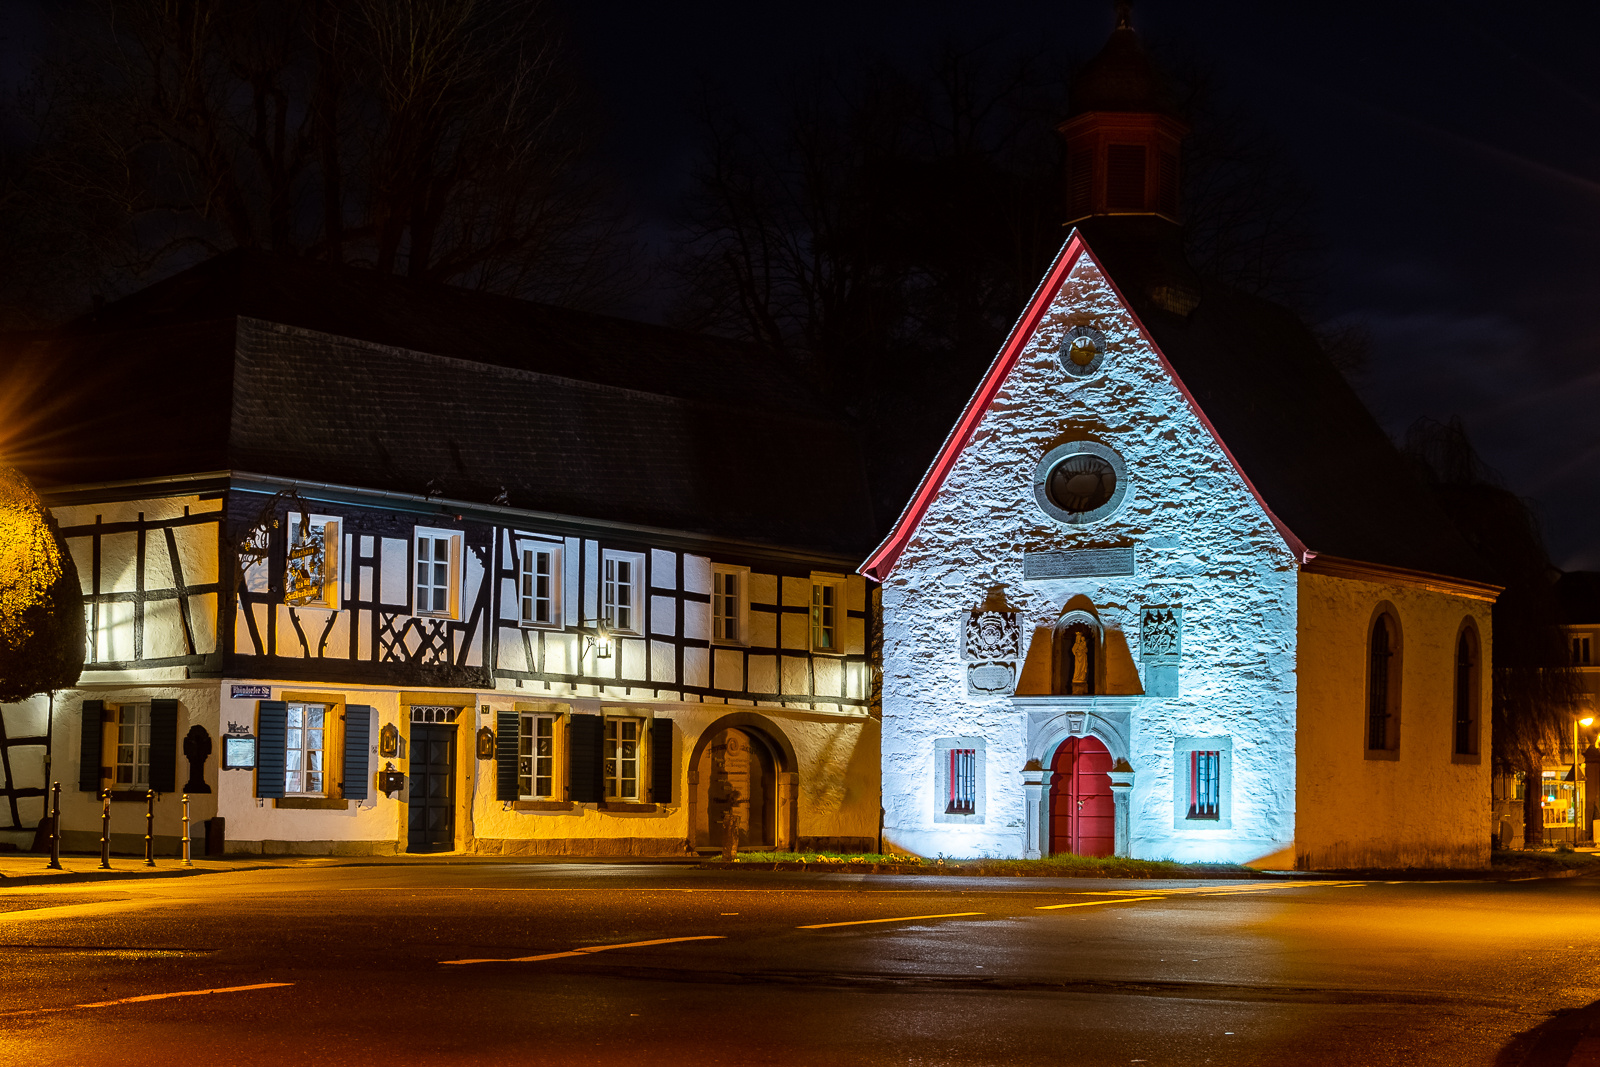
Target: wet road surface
[[602, 964]]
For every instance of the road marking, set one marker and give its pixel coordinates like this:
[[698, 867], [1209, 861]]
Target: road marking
[[898, 919], [1092, 903], [592, 949], [153, 996]]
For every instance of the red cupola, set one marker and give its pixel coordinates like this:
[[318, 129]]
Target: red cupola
[[1124, 133]]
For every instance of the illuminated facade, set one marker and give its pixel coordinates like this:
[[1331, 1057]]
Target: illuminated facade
[[1168, 591], [477, 594]]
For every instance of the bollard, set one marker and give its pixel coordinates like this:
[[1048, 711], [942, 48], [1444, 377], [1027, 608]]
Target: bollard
[[187, 861], [55, 831], [105, 829], [150, 828]]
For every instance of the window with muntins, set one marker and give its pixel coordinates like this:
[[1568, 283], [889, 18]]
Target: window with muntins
[[1205, 784], [1580, 651], [304, 763], [133, 747], [825, 612], [621, 759], [433, 574], [536, 757], [539, 585], [620, 591], [962, 782], [727, 605]]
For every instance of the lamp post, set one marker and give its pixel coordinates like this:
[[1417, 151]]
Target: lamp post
[[1578, 811]]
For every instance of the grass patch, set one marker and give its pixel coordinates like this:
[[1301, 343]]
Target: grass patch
[[1067, 866], [1564, 860]]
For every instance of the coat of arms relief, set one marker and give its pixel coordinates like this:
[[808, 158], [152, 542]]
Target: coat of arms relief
[[990, 640]]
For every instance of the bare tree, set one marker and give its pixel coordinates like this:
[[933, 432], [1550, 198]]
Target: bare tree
[[445, 140]]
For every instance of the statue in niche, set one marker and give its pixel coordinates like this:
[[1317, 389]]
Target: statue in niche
[[197, 749], [1080, 665]]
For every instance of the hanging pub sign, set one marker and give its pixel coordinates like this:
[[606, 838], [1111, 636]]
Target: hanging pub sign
[[238, 748]]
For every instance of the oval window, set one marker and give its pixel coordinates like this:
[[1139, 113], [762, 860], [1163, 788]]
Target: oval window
[[1082, 483]]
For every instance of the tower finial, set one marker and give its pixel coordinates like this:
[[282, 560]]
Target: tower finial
[[1124, 14]]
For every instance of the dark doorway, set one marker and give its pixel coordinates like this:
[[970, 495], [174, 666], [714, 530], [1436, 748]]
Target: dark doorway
[[431, 807], [738, 778], [1083, 817], [1075, 660]]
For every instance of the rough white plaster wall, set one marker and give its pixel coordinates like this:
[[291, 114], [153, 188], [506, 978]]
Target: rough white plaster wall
[[1201, 540]]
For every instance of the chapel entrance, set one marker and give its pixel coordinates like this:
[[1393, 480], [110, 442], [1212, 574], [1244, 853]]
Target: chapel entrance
[[431, 802], [738, 781], [1082, 814]]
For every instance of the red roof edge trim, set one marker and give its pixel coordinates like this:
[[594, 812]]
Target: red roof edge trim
[[883, 559]]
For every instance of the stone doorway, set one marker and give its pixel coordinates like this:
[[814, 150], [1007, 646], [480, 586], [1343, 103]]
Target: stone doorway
[[738, 775], [1083, 817]]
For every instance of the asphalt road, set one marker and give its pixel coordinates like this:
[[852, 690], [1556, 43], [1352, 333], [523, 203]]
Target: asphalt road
[[594, 964]]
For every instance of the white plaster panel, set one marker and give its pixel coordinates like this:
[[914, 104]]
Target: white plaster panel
[[163, 630], [796, 592], [796, 630], [796, 676], [729, 668], [157, 562], [114, 641], [591, 580], [696, 620], [763, 674], [829, 673], [118, 562], [571, 605], [663, 569], [394, 572], [203, 622], [697, 667], [696, 574], [662, 665], [763, 588], [764, 629], [663, 615]]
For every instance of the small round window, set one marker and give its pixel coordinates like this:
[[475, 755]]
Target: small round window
[[1083, 350], [1080, 482]]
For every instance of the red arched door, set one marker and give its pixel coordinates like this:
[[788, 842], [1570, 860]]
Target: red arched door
[[1082, 815]]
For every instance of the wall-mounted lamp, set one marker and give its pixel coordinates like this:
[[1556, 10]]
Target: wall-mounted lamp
[[598, 639]]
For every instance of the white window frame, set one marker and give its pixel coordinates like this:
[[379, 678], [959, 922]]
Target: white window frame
[[1182, 747], [332, 531], [942, 747], [137, 747], [528, 723], [294, 786], [611, 607], [612, 758], [822, 612], [526, 598], [1581, 648], [453, 538], [720, 613]]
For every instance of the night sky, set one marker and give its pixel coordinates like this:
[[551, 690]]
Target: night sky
[[1453, 147]]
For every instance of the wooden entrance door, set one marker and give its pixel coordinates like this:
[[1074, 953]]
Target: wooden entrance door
[[1082, 815], [431, 806], [737, 785]]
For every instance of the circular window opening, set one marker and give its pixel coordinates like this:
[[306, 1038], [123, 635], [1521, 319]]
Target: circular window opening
[[1082, 351], [1080, 482]]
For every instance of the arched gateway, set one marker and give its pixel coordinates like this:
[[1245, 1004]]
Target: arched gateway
[[1082, 812], [739, 770]]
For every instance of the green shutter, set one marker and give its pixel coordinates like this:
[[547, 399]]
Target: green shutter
[[164, 746], [661, 761], [357, 740], [505, 756], [94, 717], [585, 740], [272, 729]]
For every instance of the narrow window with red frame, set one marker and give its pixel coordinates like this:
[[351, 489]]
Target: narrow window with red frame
[[1205, 779], [961, 780]]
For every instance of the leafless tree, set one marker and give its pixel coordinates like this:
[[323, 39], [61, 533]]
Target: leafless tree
[[445, 140]]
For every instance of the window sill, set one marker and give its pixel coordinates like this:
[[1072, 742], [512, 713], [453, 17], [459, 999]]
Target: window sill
[[1466, 757], [128, 796], [311, 803], [627, 805], [541, 805], [1391, 755]]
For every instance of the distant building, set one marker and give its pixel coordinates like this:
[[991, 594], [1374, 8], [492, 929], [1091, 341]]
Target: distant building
[[373, 566], [1168, 590], [1570, 790]]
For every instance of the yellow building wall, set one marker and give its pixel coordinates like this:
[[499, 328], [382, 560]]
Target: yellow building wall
[[1426, 808]]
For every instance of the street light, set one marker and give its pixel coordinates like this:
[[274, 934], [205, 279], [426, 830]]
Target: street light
[[1578, 811]]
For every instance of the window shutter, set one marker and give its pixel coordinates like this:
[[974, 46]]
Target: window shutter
[[94, 717], [272, 727], [357, 739], [661, 761], [585, 741], [164, 746], [505, 755]]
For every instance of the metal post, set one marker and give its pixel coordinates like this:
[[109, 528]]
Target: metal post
[[105, 830], [187, 860], [150, 828], [55, 830]]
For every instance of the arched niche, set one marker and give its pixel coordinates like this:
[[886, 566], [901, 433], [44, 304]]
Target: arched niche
[[744, 765]]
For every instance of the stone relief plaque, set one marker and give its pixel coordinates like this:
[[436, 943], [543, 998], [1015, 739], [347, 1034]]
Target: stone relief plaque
[[1161, 649], [990, 638]]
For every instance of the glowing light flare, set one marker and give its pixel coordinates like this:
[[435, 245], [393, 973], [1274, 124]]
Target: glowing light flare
[[30, 562]]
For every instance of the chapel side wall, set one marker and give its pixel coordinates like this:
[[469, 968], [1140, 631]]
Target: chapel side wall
[[1422, 809], [1201, 543]]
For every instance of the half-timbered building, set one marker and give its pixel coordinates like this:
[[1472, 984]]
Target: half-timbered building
[[373, 566]]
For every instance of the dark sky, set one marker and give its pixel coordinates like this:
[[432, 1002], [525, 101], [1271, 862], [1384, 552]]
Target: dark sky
[[1453, 148]]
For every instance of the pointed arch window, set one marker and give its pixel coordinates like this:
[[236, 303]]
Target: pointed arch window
[[1383, 687]]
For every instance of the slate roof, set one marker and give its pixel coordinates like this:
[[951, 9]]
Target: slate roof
[[1579, 594], [355, 378], [1122, 77], [1292, 422]]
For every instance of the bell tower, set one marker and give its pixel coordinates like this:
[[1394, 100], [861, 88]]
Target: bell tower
[[1124, 133]]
